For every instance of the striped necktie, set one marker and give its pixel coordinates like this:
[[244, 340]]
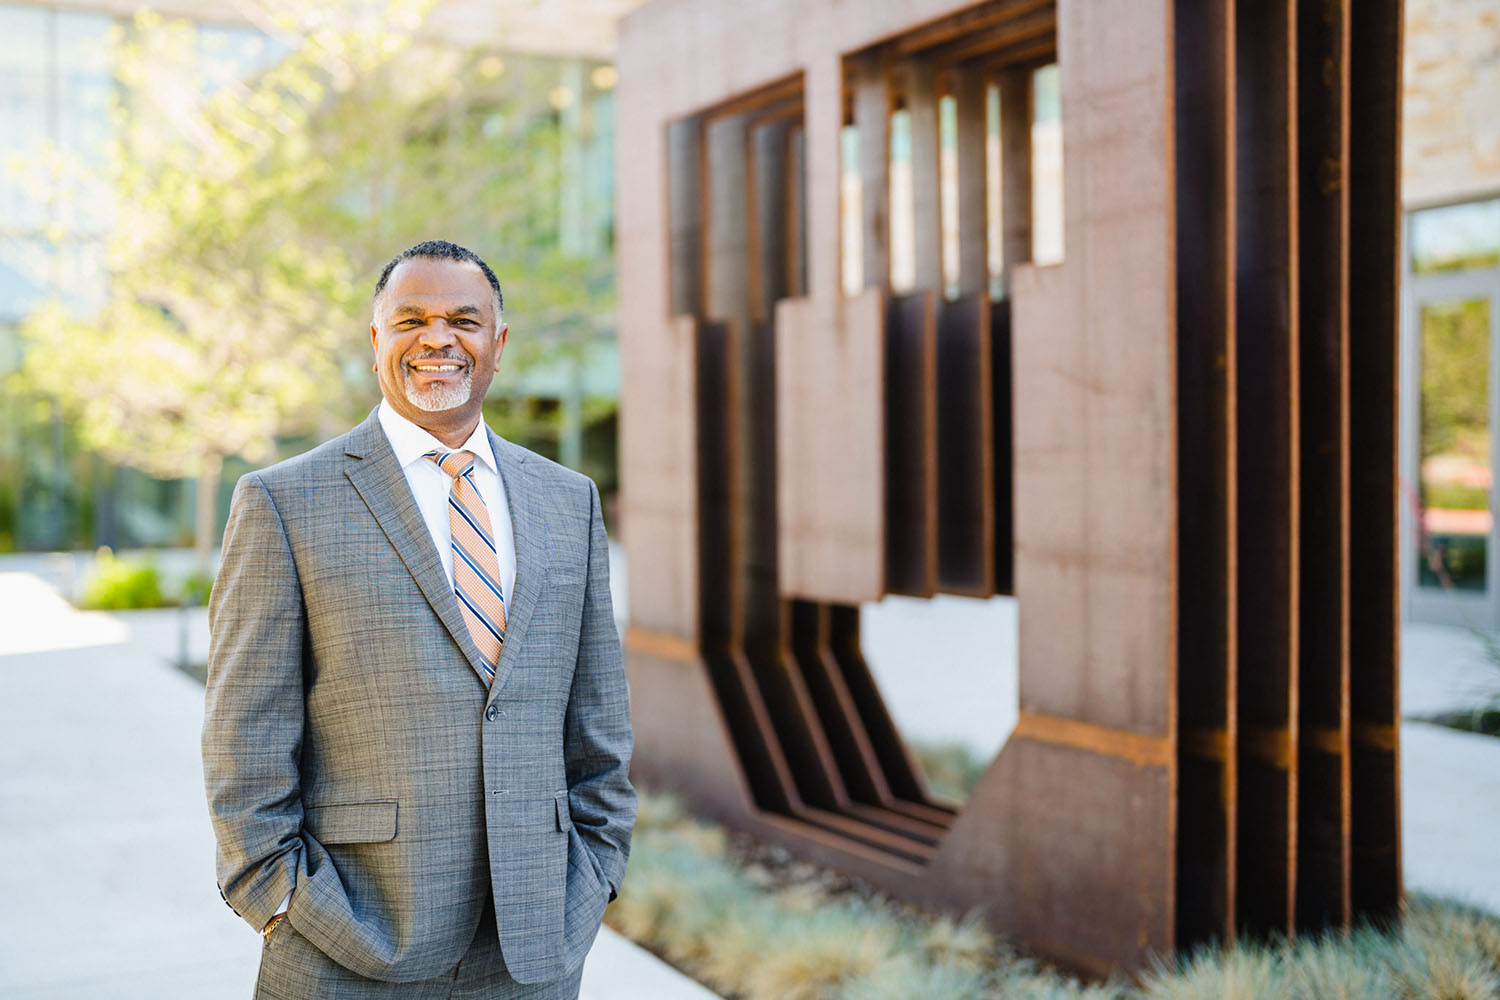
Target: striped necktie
[[476, 569]]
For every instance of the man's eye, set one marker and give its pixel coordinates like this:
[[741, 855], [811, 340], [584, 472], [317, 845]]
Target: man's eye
[[410, 322], [465, 322]]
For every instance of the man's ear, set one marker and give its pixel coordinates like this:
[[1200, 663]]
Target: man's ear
[[500, 336]]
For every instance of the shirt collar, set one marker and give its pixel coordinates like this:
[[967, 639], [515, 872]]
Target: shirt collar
[[411, 443]]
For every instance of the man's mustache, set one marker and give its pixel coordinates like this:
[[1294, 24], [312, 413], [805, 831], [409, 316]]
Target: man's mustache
[[461, 357]]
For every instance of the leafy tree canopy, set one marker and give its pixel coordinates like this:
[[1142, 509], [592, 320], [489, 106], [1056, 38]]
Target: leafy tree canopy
[[250, 217]]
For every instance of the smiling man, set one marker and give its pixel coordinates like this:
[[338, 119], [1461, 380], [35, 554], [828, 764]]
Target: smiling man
[[416, 738]]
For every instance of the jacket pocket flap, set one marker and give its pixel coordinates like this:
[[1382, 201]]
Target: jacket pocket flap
[[352, 822], [564, 812]]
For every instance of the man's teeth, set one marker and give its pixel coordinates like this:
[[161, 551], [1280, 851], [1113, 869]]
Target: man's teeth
[[436, 368]]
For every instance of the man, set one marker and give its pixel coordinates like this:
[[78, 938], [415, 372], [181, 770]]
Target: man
[[416, 737]]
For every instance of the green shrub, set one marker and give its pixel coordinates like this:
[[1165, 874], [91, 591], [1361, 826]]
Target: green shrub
[[952, 769], [121, 585], [196, 589]]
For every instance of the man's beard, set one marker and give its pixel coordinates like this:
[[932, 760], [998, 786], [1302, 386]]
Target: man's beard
[[439, 396]]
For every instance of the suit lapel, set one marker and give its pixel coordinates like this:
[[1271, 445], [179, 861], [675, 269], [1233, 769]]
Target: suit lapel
[[530, 530], [377, 476]]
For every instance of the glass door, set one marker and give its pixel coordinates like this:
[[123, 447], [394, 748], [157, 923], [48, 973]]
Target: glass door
[[1451, 355]]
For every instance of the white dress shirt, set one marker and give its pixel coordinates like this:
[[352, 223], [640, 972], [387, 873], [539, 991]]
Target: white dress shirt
[[430, 487]]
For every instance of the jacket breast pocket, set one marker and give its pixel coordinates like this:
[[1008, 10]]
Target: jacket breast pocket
[[352, 822]]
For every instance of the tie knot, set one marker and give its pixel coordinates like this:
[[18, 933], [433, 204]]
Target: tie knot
[[455, 463]]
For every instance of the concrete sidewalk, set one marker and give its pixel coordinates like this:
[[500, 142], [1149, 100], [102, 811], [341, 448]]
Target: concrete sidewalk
[[107, 871]]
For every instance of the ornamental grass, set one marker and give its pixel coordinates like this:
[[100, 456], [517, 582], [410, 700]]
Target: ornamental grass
[[703, 900]]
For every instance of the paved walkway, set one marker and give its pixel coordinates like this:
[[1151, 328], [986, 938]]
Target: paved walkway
[[1450, 780], [106, 854]]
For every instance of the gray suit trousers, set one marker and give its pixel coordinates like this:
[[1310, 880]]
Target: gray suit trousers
[[291, 968]]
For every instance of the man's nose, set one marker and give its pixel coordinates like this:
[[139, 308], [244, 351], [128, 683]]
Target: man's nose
[[439, 333]]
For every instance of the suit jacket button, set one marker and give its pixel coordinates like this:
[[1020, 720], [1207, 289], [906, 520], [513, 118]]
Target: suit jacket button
[[491, 712]]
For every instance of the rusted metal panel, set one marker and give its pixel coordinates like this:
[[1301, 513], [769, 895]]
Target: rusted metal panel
[[977, 20], [685, 215], [831, 450], [1374, 277], [1206, 557], [965, 475], [872, 121], [1086, 868], [1002, 462], [859, 768], [715, 416], [725, 188], [657, 450], [1323, 800], [1015, 171], [1094, 415], [918, 83], [858, 764], [794, 279], [765, 220], [911, 483], [659, 460], [732, 268], [967, 87], [1267, 431], [901, 773], [1035, 27], [765, 767], [1072, 838], [773, 216], [696, 756]]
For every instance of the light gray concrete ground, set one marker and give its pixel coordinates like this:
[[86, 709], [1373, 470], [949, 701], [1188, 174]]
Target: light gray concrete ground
[[1444, 669], [1450, 813], [106, 854]]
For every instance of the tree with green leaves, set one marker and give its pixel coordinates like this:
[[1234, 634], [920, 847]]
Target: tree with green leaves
[[252, 214]]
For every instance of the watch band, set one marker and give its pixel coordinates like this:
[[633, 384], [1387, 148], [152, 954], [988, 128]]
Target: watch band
[[271, 924]]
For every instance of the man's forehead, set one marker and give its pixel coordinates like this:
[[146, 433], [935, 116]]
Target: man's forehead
[[417, 305], [425, 281]]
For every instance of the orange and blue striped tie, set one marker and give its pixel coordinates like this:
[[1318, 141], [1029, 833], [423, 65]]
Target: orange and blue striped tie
[[476, 568]]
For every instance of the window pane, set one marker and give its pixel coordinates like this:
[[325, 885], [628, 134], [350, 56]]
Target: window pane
[[902, 209], [994, 211], [1456, 237], [1456, 477], [23, 112], [26, 266], [1046, 167], [233, 54], [948, 184], [851, 191], [84, 128]]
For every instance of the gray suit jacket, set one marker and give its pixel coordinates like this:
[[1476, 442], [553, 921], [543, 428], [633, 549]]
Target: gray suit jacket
[[351, 749]]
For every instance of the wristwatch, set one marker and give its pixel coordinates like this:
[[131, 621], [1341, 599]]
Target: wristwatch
[[271, 925]]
